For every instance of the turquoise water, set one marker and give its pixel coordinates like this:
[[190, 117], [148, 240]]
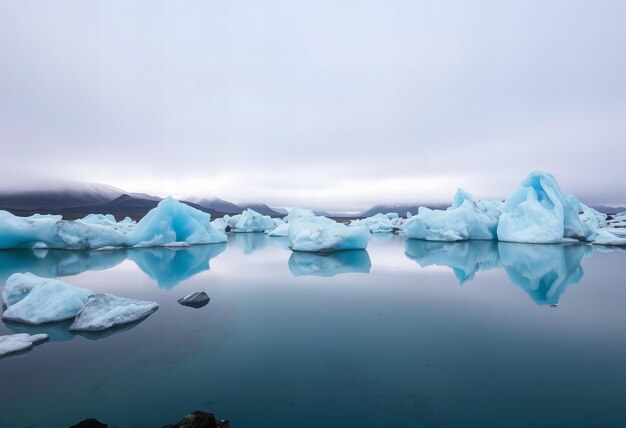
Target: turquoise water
[[405, 334]]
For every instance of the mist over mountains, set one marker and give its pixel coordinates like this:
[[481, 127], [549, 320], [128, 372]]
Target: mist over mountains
[[76, 200]]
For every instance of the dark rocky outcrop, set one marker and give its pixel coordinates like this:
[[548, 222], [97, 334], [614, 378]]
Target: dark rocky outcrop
[[90, 423], [199, 419]]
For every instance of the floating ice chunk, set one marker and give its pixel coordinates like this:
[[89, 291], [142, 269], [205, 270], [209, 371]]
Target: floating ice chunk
[[109, 221], [465, 219], [104, 311], [329, 264], [280, 230], [398, 223], [378, 223], [320, 234], [174, 222], [35, 300], [251, 221], [391, 216], [220, 224], [41, 231], [299, 214], [538, 211], [608, 237], [19, 342]]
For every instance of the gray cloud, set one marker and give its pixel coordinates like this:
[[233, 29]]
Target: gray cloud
[[333, 104]]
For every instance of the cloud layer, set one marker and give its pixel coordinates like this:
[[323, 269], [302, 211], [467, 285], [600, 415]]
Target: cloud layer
[[327, 104]]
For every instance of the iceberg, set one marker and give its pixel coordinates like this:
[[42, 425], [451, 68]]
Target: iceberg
[[379, 223], [329, 264], [109, 221], [219, 224], [103, 311], [609, 237], [51, 232], [465, 219], [34, 300], [280, 230], [299, 214], [538, 211], [251, 221], [19, 342], [321, 234], [172, 223]]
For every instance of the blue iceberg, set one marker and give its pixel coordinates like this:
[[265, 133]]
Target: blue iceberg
[[251, 221], [174, 223], [34, 300], [379, 223], [465, 219], [321, 234], [538, 211]]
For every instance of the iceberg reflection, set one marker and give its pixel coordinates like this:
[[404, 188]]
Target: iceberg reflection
[[543, 271], [52, 263], [249, 242], [465, 258], [169, 266], [329, 264]]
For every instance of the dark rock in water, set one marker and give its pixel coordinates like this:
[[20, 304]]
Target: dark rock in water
[[196, 300], [199, 419], [90, 423]]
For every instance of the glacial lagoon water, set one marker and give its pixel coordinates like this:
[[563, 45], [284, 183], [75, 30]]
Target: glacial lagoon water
[[405, 334]]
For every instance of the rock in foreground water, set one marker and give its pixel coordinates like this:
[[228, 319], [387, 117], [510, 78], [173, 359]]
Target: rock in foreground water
[[197, 299], [199, 419]]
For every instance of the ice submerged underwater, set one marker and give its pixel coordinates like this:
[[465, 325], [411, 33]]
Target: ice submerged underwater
[[537, 212]]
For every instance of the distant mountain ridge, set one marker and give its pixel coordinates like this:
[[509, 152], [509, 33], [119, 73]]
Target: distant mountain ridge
[[81, 199], [401, 210]]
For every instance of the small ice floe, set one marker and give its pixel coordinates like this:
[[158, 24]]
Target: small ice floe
[[19, 342], [252, 221], [379, 223], [103, 311], [321, 234], [34, 300], [195, 300]]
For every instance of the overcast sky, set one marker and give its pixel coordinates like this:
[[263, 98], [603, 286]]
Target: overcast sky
[[334, 104]]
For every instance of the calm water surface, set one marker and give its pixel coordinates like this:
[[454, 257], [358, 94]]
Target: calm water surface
[[405, 334]]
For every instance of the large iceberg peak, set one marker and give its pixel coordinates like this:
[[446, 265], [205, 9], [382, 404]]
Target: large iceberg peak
[[538, 211], [173, 222]]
